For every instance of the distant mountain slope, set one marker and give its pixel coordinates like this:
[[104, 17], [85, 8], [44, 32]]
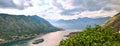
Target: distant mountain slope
[[14, 27], [80, 23], [113, 22], [104, 35]]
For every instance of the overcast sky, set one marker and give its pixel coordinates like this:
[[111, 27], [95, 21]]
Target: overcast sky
[[61, 9]]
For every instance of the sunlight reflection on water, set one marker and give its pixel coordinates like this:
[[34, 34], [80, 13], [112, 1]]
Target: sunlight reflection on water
[[51, 39]]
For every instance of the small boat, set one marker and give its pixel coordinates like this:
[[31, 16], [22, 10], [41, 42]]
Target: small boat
[[38, 41]]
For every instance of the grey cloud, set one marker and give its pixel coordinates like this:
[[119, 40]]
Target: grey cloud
[[58, 5], [107, 8], [11, 4], [98, 4], [92, 5], [78, 2], [72, 11], [116, 4], [115, 1], [7, 3]]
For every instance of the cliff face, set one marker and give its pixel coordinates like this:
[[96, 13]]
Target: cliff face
[[113, 22], [19, 26]]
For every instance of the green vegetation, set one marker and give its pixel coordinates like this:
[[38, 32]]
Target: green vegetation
[[96, 36], [14, 27]]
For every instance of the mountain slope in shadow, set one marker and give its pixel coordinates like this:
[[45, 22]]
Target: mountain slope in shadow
[[14, 27]]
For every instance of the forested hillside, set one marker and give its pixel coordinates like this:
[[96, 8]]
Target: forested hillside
[[96, 36], [14, 27], [105, 35]]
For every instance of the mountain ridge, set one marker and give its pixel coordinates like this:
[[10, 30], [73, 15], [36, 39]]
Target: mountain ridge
[[113, 22], [13, 27], [80, 23]]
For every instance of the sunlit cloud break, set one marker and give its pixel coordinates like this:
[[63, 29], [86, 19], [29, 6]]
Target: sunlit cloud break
[[61, 9]]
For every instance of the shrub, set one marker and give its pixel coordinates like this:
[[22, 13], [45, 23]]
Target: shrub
[[96, 36]]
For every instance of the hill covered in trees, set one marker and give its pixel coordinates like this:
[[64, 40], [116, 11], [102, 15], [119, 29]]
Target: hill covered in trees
[[13, 27], [105, 35]]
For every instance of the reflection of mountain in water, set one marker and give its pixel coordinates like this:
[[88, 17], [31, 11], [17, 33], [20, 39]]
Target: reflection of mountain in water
[[79, 23]]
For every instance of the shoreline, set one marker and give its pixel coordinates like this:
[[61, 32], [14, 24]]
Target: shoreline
[[27, 38], [52, 39], [11, 41]]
